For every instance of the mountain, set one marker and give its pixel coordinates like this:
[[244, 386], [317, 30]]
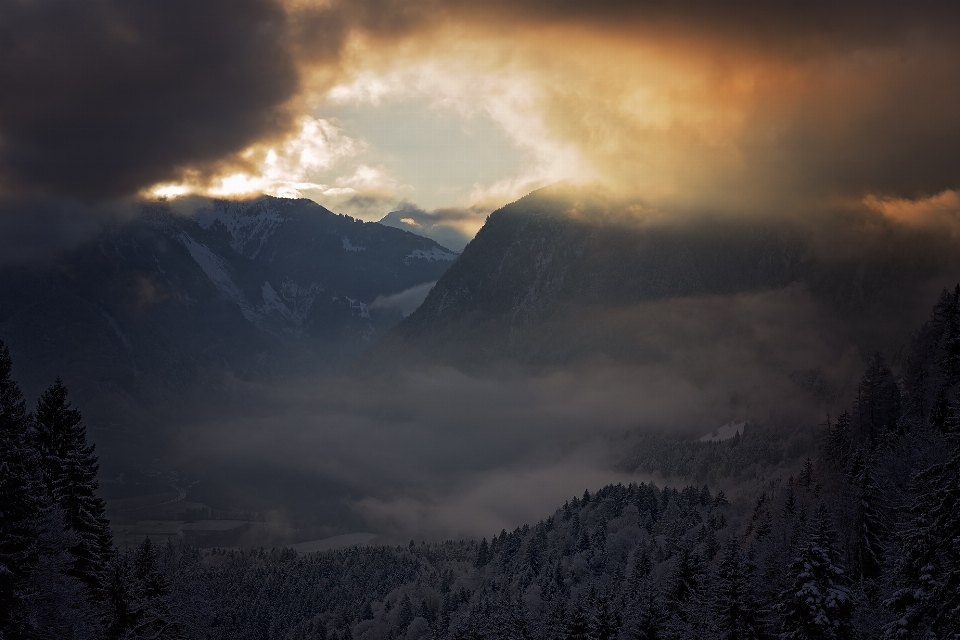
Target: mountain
[[442, 229], [165, 308], [565, 275]]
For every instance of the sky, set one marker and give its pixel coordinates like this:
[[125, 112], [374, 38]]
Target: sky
[[454, 107]]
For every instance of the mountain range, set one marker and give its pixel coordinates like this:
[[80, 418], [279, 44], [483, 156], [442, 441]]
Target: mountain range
[[169, 306]]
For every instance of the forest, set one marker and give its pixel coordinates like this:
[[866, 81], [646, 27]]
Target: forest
[[863, 542]]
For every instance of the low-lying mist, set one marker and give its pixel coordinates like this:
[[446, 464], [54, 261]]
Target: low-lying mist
[[432, 452]]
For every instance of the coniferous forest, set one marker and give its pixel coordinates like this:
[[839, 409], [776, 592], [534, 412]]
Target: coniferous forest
[[863, 542]]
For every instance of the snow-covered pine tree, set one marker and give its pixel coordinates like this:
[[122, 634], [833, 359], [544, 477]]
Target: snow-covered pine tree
[[151, 597], [927, 603], [687, 592], [70, 469], [601, 625], [121, 605], [817, 603], [735, 612], [645, 617], [578, 626]]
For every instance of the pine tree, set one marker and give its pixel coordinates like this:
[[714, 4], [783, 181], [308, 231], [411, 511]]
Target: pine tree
[[22, 506], [789, 509], [121, 605], [404, 613], [940, 411], [687, 593], [838, 444], [556, 623], [950, 352], [806, 474], [818, 603], [70, 470], [928, 600], [601, 625], [646, 617], [151, 596], [869, 529], [483, 554], [735, 613], [878, 401], [578, 628]]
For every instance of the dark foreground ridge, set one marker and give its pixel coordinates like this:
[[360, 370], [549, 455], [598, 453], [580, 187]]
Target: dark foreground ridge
[[861, 543]]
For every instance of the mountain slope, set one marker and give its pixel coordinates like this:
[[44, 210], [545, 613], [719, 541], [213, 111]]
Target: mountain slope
[[560, 276], [158, 310]]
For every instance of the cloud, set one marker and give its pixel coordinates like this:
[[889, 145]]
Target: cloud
[[433, 452], [689, 104], [941, 211], [37, 228], [451, 227], [405, 301], [102, 100]]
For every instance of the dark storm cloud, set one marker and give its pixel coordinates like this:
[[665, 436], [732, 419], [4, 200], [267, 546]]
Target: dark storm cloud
[[781, 25], [104, 98]]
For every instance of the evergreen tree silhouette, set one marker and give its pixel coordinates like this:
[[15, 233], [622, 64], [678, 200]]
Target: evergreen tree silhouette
[[70, 470], [22, 505]]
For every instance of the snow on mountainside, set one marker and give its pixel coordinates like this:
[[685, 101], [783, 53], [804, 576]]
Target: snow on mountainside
[[726, 432], [218, 271], [263, 233], [249, 224], [435, 253]]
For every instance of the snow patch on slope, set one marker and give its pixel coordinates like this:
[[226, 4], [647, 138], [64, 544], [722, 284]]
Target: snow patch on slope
[[116, 329], [351, 247], [219, 273], [246, 224], [435, 253], [727, 431], [359, 307], [293, 302]]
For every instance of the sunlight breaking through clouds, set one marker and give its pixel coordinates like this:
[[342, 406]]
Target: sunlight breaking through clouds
[[513, 100], [320, 157]]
